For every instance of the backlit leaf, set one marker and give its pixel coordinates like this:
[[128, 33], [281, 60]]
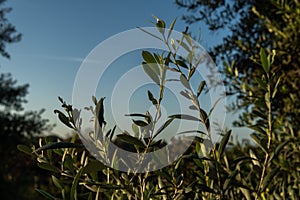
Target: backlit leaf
[[264, 61], [165, 125], [63, 118], [200, 88], [184, 81], [171, 28], [57, 182], [151, 73], [258, 141]]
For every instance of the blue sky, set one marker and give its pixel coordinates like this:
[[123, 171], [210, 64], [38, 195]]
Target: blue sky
[[58, 35]]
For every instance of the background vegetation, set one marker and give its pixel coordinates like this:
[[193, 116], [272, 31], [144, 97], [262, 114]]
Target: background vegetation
[[18, 174]]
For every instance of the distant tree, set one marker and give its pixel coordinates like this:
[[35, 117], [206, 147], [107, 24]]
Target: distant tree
[[16, 125], [252, 24]]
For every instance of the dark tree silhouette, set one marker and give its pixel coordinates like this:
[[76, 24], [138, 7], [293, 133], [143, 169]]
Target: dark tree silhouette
[[17, 126]]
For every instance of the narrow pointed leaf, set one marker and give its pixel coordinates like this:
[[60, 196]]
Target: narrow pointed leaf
[[131, 140], [151, 62], [148, 57], [151, 98], [264, 60], [151, 73], [191, 131], [262, 83], [188, 38], [140, 123], [257, 129], [184, 81], [73, 194], [161, 25], [213, 107], [165, 125], [224, 142], [254, 158], [138, 115], [258, 141], [155, 36], [24, 149], [204, 118], [200, 88], [184, 116], [181, 63], [49, 167], [280, 146], [135, 130], [184, 45], [57, 182], [257, 112], [93, 166], [171, 28], [193, 107], [59, 145], [269, 178], [63, 118], [185, 94], [100, 112], [46, 194]]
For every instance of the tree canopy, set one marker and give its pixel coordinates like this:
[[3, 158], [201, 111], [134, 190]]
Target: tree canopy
[[271, 24]]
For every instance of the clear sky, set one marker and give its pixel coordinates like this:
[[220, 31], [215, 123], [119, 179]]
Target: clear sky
[[58, 35]]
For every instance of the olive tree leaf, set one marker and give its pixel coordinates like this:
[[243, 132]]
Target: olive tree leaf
[[59, 145], [46, 194], [49, 167], [100, 112], [200, 88], [258, 141], [24, 149], [269, 178], [151, 61], [63, 118], [140, 123], [150, 72], [171, 28], [181, 63], [161, 25], [151, 98], [224, 142], [131, 140], [165, 125], [73, 194], [184, 81], [264, 60]]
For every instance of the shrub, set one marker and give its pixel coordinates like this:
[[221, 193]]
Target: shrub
[[266, 170]]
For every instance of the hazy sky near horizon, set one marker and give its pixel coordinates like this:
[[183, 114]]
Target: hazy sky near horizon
[[58, 35]]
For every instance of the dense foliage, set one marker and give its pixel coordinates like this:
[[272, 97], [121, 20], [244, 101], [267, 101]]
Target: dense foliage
[[267, 170], [252, 24]]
